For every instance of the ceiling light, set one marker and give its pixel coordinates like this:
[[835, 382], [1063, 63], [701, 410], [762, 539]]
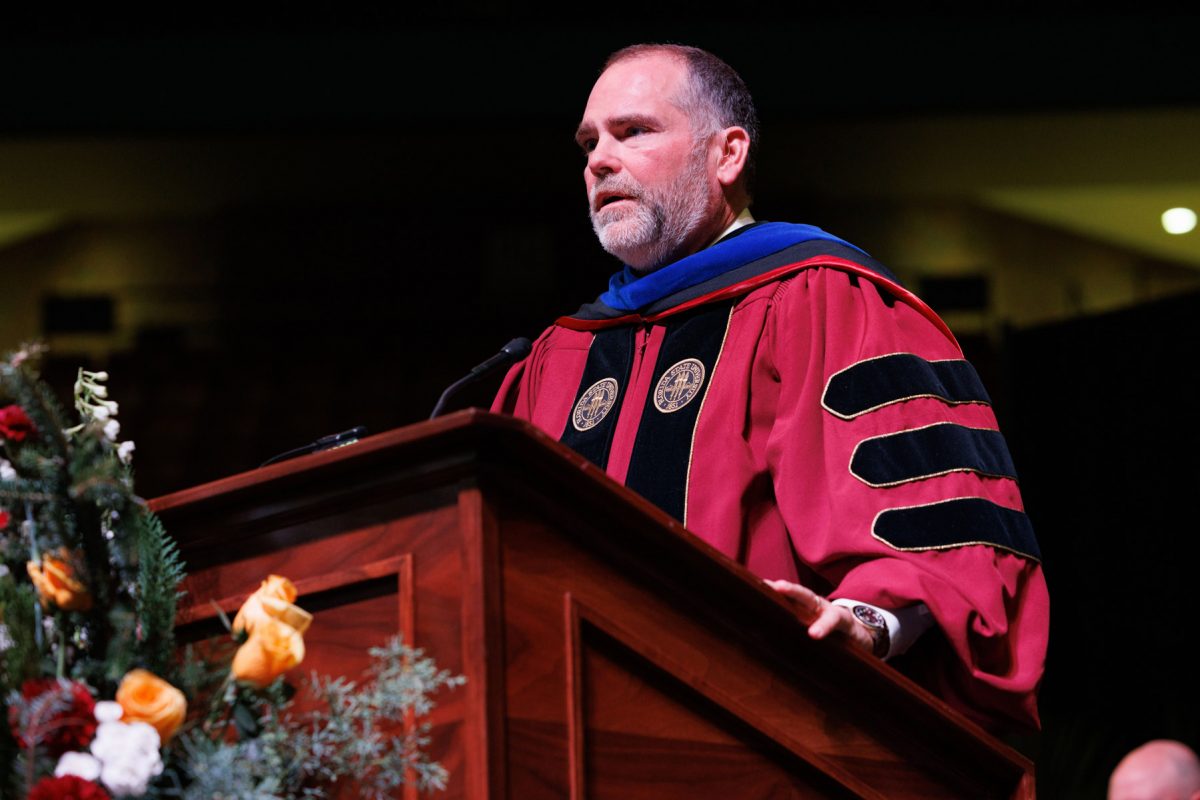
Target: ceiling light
[[1178, 220]]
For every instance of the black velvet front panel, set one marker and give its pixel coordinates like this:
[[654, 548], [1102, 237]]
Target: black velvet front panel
[[610, 356], [662, 451]]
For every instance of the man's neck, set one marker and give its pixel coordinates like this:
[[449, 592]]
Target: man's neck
[[740, 221]]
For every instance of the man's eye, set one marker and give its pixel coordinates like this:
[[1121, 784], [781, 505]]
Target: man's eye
[[587, 145], [634, 130]]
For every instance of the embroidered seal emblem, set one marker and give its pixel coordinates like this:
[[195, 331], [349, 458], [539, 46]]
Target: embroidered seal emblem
[[595, 404], [679, 385]]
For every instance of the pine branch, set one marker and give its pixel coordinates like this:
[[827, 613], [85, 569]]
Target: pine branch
[[43, 460], [21, 657]]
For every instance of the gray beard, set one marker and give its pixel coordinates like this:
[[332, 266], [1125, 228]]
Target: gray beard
[[654, 233]]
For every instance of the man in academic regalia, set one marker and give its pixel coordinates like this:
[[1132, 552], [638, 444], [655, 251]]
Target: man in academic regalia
[[778, 391]]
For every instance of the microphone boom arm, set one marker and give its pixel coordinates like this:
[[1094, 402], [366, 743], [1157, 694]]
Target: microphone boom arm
[[513, 351]]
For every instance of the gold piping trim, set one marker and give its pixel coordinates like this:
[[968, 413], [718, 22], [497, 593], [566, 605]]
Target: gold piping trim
[[995, 545], [945, 400], [687, 480], [889, 484]]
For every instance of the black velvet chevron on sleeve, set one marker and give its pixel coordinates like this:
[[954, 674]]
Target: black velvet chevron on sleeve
[[939, 449], [878, 382], [953, 523]]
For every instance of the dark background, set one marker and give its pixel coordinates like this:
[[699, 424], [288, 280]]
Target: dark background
[[357, 301]]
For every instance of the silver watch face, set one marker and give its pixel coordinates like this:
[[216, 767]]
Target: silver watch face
[[870, 617]]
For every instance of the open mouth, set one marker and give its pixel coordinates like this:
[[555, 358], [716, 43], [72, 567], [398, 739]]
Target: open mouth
[[610, 199]]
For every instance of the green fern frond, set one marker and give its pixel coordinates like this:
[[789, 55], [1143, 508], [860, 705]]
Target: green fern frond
[[160, 572]]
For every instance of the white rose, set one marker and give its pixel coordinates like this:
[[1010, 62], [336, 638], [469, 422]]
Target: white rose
[[128, 754], [106, 744], [129, 777], [82, 765], [114, 740], [142, 737], [7, 473], [108, 711]]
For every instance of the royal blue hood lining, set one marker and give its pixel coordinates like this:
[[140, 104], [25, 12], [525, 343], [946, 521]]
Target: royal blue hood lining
[[629, 292]]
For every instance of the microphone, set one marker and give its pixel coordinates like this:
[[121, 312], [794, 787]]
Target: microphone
[[324, 443], [513, 351]]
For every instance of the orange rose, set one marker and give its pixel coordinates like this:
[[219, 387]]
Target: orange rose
[[273, 648], [145, 697], [55, 582], [273, 600]]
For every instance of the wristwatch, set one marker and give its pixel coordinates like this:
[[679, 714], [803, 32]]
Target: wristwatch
[[874, 622]]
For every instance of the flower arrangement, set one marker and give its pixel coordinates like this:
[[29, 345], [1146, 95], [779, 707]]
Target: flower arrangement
[[98, 701]]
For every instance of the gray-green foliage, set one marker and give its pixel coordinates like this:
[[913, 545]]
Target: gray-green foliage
[[357, 734]]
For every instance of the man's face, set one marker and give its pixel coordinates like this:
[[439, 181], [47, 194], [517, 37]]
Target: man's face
[[652, 190]]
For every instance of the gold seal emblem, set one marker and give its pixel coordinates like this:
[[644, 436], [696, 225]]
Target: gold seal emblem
[[595, 404], [679, 385]]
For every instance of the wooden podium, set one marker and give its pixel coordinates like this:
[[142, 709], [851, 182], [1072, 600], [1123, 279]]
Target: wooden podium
[[609, 653]]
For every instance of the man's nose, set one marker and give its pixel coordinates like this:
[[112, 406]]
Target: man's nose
[[603, 158]]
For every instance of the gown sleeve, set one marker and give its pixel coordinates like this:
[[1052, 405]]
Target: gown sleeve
[[896, 487]]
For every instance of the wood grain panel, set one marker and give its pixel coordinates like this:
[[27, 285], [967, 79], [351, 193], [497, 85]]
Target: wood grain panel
[[775, 681], [482, 647], [686, 726], [576, 687]]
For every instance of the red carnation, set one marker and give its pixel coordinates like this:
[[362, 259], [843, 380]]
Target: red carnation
[[70, 728], [4, 518], [15, 424], [68, 787]]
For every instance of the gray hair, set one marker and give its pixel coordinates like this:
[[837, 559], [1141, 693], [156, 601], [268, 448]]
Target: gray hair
[[715, 96]]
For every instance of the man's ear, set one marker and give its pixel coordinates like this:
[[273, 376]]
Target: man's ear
[[735, 149]]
